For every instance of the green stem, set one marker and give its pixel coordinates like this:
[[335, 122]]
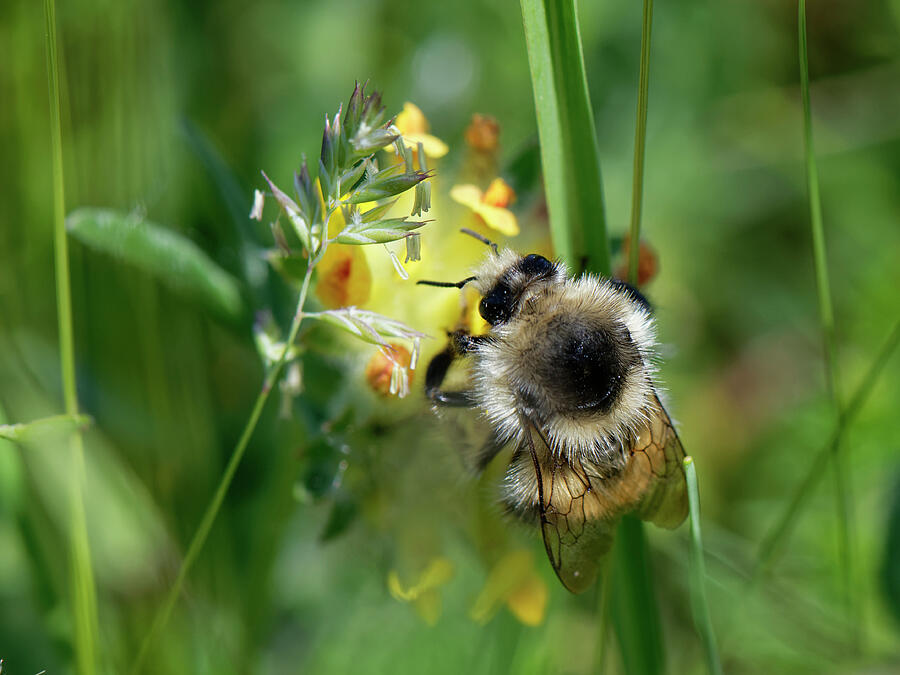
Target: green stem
[[776, 535], [209, 517], [699, 603], [640, 137], [569, 153], [841, 472], [84, 602], [633, 601]]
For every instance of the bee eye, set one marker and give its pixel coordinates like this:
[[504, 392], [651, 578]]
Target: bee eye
[[535, 265], [496, 305]]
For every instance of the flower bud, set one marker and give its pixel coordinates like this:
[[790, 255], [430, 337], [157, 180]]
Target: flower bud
[[483, 134]]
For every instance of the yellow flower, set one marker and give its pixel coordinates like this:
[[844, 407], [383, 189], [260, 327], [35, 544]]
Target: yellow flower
[[414, 127], [490, 206], [513, 580], [343, 275], [344, 279], [423, 592]]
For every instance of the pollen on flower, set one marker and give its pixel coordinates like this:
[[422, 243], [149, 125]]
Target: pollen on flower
[[483, 133], [389, 373]]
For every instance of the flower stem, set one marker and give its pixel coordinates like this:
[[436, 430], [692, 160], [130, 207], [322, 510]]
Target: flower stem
[[699, 603], [640, 137], [839, 469], [212, 510], [84, 601]]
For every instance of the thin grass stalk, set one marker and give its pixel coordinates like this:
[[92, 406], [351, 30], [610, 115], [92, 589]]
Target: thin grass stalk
[[212, 510], [699, 603], [603, 619], [84, 594], [776, 535], [640, 137], [840, 471]]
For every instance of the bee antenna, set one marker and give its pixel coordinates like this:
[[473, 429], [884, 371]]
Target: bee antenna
[[481, 238], [445, 284]]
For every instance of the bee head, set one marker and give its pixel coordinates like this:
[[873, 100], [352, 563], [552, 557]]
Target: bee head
[[506, 280]]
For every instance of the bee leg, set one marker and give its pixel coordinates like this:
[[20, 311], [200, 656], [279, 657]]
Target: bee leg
[[434, 377], [460, 343], [463, 343]]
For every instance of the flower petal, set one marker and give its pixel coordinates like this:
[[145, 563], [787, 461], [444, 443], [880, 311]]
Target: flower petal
[[343, 277], [411, 120], [528, 602], [498, 218], [434, 146], [467, 195], [438, 573], [506, 577]]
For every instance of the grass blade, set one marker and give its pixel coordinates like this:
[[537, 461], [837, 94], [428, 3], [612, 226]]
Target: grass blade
[[215, 504], [57, 425], [174, 260], [778, 533], [840, 471], [699, 604], [634, 611], [640, 137], [84, 592], [569, 153], [572, 181]]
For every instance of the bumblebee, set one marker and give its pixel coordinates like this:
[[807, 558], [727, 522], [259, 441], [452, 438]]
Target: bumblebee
[[566, 377]]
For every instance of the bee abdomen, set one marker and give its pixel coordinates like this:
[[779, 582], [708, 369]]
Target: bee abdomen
[[581, 366]]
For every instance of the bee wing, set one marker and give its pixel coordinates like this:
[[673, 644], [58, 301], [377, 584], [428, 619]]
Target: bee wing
[[657, 464], [576, 543], [580, 503]]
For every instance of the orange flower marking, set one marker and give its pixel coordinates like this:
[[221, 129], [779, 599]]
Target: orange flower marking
[[499, 193], [344, 278]]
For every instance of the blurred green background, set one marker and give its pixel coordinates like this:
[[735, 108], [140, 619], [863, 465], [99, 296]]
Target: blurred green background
[[171, 109]]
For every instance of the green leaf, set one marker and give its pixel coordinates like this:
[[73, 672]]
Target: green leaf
[[569, 152], [31, 431], [176, 261], [890, 571], [344, 512]]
